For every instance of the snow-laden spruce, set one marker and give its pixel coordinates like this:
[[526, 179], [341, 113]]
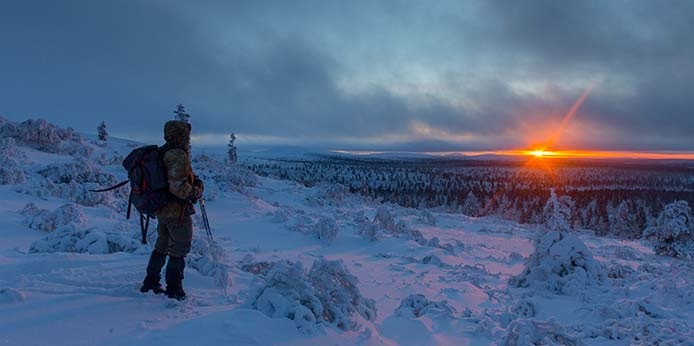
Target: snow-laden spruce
[[673, 233], [557, 212], [327, 293], [560, 264]]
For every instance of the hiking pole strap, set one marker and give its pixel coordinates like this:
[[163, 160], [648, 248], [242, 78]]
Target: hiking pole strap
[[112, 187]]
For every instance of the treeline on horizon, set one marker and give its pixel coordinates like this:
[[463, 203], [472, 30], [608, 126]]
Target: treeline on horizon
[[610, 198]]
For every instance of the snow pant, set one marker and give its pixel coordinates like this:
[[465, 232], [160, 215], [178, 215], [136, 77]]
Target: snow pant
[[156, 262], [174, 236]]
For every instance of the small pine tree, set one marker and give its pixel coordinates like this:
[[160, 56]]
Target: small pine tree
[[557, 212], [181, 114], [231, 153], [103, 135]]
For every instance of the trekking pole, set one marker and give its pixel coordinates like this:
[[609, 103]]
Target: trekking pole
[[205, 221], [215, 251]]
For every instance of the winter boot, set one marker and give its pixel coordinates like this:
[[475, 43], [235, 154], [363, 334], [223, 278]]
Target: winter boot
[[151, 282], [174, 278]]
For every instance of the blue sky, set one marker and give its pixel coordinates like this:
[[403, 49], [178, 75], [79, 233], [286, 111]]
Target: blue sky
[[361, 75]]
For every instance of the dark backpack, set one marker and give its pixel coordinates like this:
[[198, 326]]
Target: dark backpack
[[149, 187]]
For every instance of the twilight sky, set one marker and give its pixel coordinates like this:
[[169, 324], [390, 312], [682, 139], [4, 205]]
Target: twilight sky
[[362, 75]]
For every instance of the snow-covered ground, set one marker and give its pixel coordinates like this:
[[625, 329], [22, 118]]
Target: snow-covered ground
[[311, 266]]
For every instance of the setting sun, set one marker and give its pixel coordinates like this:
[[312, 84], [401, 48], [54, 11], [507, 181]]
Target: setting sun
[[538, 153]]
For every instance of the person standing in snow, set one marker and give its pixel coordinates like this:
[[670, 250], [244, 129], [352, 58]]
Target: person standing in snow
[[175, 227]]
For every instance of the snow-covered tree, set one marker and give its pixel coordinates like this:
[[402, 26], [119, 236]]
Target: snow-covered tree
[[622, 221], [673, 234], [560, 264], [181, 114], [231, 153], [557, 212], [103, 135], [471, 205]]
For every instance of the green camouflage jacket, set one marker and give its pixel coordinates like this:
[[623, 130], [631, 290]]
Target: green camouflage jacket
[[180, 176]]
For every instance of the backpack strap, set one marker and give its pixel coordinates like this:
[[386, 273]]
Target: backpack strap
[[130, 205], [112, 187], [144, 225]]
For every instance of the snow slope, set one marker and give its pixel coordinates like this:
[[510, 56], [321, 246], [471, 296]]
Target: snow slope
[[314, 266]]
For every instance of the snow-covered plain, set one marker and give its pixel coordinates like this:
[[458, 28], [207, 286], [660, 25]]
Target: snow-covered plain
[[309, 266]]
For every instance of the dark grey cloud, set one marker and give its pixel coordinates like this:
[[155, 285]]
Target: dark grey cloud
[[360, 75]]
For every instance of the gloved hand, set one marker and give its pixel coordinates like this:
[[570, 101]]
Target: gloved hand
[[195, 195], [197, 182]]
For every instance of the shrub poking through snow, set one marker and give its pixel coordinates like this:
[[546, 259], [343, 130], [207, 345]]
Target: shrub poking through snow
[[45, 136], [224, 176], [365, 228], [80, 171], [288, 294], [11, 172], [417, 305], [326, 229], [48, 221], [531, 332], [328, 293], [337, 289], [73, 180], [427, 218], [384, 220], [91, 240], [673, 234], [560, 264], [208, 259], [10, 295]]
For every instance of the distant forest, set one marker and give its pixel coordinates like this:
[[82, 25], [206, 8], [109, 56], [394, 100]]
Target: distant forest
[[609, 197]]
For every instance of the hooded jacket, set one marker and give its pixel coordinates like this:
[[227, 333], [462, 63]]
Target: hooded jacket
[[180, 175]]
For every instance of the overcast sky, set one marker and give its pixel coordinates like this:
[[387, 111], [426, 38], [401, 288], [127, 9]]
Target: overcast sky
[[370, 75]]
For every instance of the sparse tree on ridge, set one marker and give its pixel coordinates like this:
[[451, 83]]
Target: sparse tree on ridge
[[103, 135], [231, 153], [181, 114]]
